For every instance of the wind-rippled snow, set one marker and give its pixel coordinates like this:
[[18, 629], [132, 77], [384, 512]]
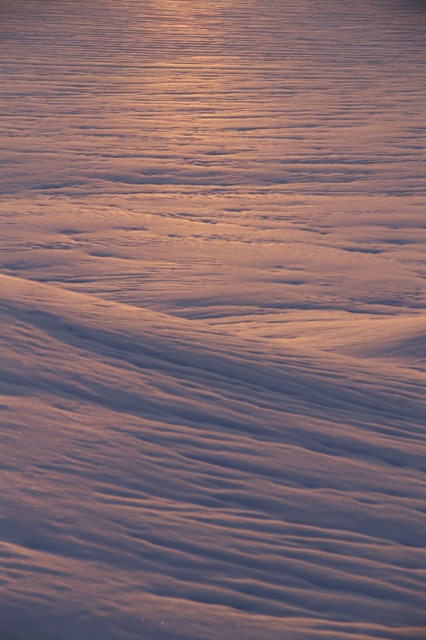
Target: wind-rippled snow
[[213, 328]]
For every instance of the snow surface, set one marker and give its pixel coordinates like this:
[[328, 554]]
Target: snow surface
[[213, 334]]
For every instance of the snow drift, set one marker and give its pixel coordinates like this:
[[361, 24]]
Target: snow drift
[[185, 483]]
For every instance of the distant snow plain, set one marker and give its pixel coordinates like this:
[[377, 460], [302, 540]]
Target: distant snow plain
[[213, 320]]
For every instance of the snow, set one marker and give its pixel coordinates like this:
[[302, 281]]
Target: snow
[[213, 333]]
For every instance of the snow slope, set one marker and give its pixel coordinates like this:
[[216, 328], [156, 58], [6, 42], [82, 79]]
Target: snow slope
[[164, 475], [212, 312]]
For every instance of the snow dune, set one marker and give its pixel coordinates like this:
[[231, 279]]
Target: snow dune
[[164, 479]]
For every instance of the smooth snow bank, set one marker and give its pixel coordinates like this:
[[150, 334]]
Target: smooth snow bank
[[163, 479], [401, 339]]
